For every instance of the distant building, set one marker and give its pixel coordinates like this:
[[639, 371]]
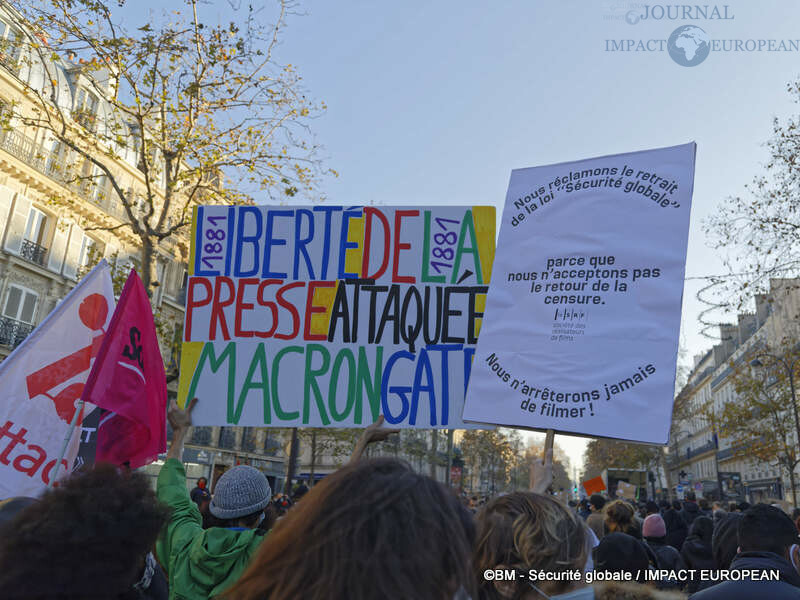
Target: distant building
[[702, 461]]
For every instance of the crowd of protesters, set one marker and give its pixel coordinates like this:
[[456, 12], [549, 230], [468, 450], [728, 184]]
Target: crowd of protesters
[[376, 529]]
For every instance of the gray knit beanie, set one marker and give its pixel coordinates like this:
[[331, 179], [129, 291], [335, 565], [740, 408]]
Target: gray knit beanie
[[240, 491]]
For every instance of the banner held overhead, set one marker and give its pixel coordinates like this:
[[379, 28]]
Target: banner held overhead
[[329, 315], [581, 327]]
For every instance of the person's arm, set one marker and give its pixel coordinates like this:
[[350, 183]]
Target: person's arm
[[180, 420], [185, 521], [373, 433], [541, 472]]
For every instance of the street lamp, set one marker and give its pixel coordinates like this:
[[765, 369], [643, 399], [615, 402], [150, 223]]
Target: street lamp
[[790, 372]]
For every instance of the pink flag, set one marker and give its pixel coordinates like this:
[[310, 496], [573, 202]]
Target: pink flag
[[128, 380]]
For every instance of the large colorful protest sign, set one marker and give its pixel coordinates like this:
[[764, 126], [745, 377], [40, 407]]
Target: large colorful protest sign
[[581, 327], [41, 382], [330, 315]]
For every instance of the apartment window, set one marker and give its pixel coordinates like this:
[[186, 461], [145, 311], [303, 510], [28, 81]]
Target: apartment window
[[88, 251], [86, 109], [36, 228], [20, 304], [33, 248], [10, 45], [100, 190]]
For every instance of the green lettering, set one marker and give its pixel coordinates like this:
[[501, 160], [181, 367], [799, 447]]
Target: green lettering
[[467, 227], [259, 361], [276, 404], [207, 354], [369, 383], [344, 354], [311, 382]]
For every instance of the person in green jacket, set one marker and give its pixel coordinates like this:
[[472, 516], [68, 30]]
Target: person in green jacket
[[203, 563]]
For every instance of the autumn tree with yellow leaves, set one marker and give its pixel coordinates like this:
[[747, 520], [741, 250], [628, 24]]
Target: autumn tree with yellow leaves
[[211, 113]]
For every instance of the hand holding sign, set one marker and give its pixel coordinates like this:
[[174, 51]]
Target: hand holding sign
[[373, 433], [180, 420], [541, 472]]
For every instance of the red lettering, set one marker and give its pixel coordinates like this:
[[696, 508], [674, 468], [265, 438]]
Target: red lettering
[[312, 309], [192, 302], [35, 461], [217, 314], [398, 216], [49, 467], [262, 301], [241, 306], [16, 438], [368, 214], [291, 308]]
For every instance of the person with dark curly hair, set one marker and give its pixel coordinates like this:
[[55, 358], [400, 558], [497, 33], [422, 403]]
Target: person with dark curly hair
[[87, 539]]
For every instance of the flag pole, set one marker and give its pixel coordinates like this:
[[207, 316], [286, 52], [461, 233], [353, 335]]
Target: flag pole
[[78, 409]]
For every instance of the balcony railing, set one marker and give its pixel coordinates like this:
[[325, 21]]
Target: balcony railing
[[12, 332], [33, 252], [63, 172]]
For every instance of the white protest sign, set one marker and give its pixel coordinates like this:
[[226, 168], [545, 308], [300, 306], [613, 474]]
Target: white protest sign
[[329, 316], [580, 331]]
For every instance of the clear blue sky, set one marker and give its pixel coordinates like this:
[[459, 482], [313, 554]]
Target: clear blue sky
[[436, 102]]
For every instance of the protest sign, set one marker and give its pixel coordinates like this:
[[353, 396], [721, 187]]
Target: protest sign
[[329, 315], [41, 382], [594, 485], [581, 327], [626, 490]]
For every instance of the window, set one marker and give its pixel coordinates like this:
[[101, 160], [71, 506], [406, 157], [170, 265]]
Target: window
[[86, 109], [36, 228], [20, 304], [88, 251], [100, 187], [10, 45]]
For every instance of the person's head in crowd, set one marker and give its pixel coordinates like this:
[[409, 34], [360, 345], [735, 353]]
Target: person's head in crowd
[[11, 507], [724, 541], [676, 505], [689, 496], [702, 528], [524, 531], [717, 505], [742, 506], [795, 514], [87, 538], [374, 529], [703, 504], [621, 553], [277, 508], [619, 517], [654, 529], [733, 507], [240, 496], [764, 528], [651, 508], [202, 483], [596, 502], [299, 491], [664, 505]]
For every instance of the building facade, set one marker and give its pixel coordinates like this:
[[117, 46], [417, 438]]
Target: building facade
[[59, 216], [698, 458]]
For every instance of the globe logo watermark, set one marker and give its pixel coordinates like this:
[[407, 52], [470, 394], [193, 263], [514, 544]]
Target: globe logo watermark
[[632, 17], [688, 45]]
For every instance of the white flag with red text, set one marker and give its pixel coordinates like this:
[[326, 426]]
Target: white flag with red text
[[41, 382]]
